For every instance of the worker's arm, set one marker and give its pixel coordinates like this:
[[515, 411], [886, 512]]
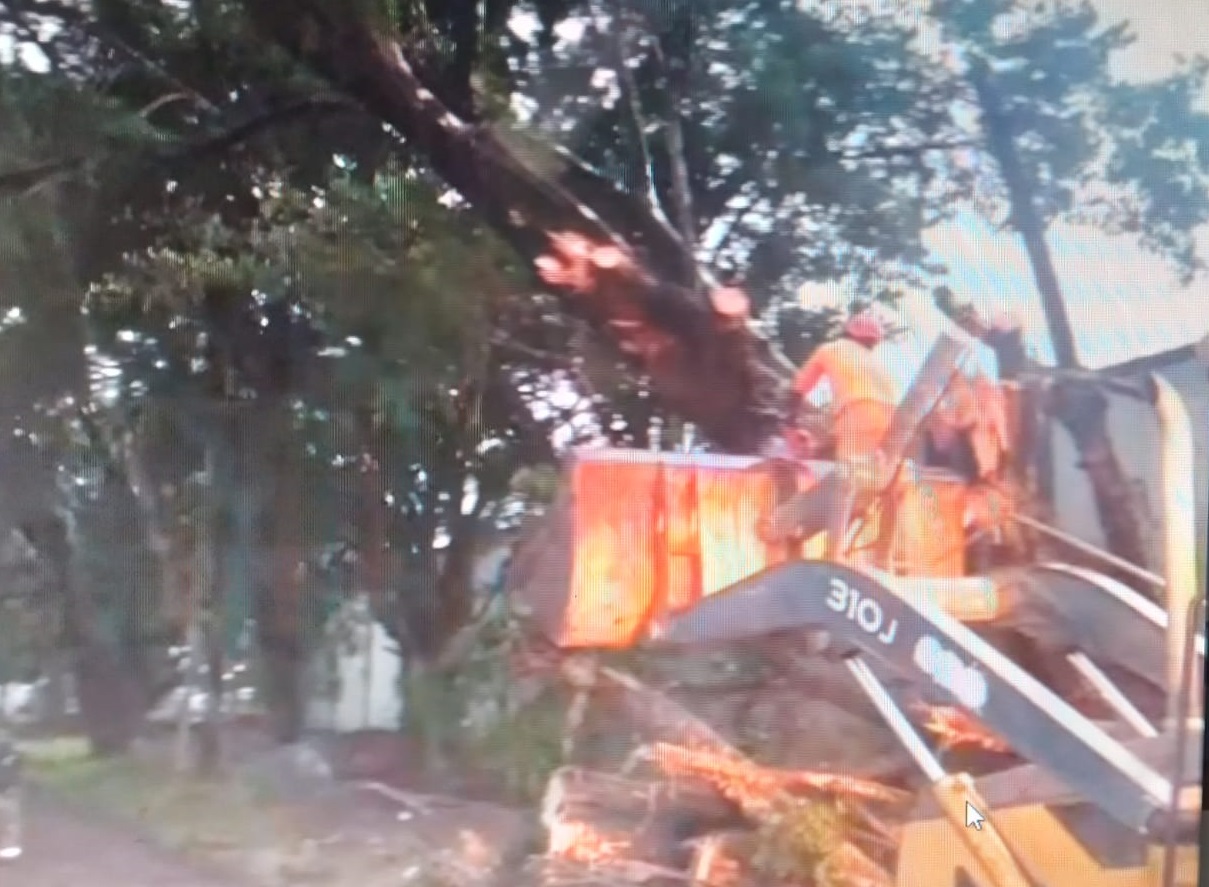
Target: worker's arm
[[811, 374]]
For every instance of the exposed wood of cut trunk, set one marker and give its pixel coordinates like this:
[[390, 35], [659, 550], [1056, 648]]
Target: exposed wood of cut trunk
[[720, 860], [724, 378], [1079, 404], [593, 817]]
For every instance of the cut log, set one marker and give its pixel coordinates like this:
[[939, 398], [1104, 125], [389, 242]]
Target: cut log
[[598, 818], [721, 859], [731, 304], [759, 790], [662, 719]]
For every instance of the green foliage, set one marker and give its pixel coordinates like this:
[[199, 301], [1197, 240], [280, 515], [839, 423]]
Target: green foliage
[[807, 134], [776, 98], [468, 720], [1127, 157], [794, 845], [522, 750]]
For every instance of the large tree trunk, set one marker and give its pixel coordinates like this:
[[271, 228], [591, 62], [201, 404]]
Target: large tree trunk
[[268, 468], [1081, 407], [279, 581], [719, 375], [110, 703]]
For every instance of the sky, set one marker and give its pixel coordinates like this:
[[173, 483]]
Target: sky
[[1122, 302]]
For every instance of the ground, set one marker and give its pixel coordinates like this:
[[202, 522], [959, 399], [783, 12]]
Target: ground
[[276, 819], [65, 849], [133, 822]]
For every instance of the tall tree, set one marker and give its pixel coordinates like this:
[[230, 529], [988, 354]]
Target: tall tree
[[1070, 142]]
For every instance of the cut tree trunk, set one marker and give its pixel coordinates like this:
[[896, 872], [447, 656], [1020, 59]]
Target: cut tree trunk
[[720, 860], [597, 818], [723, 377], [1081, 405]]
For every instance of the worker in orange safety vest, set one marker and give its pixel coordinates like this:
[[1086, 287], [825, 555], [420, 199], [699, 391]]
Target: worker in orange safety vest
[[863, 393], [863, 398]]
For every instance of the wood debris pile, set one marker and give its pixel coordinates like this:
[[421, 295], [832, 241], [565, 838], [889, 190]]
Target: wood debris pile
[[690, 808]]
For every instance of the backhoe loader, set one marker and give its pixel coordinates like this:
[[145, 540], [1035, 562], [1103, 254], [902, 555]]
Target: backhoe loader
[[674, 551]]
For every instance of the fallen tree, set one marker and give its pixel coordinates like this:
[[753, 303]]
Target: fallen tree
[[708, 365]]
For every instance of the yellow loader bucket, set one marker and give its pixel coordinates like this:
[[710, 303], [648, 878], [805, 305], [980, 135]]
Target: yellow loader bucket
[[634, 535]]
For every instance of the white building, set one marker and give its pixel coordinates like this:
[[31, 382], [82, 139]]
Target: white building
[[1130, 315], [355, 680], [1134, 429]]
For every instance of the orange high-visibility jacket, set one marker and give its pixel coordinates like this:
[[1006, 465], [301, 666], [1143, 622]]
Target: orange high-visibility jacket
[[863, 394]]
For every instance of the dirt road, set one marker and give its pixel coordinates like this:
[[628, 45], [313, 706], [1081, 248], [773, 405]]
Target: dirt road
[[63, 849]]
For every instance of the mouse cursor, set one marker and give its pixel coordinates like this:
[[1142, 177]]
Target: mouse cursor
[[973, 817]]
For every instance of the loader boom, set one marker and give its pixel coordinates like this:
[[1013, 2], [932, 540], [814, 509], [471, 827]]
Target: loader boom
[[909, 637]]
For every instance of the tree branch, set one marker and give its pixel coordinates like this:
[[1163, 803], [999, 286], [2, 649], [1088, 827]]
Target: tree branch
[[226, 139], [629, 92], [906, 150], [676, 73], [723, 377], [25, 181], [80, 16]]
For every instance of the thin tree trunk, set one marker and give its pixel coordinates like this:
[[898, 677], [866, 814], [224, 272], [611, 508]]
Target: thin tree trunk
[[189, 681], [268, 467], [1081, 406], [110, 703], [676, 70], [280, 581], [371, 570], [1025, 219], [211, 588]]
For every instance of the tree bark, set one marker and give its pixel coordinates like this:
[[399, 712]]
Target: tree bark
[[268, 469], [726, 379], [1001, 141], [1078, 401], [211, 587], [1082, 407], [278, 589], [110, 704]]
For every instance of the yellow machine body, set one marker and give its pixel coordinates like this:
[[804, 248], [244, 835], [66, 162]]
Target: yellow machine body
[[1058, 845]]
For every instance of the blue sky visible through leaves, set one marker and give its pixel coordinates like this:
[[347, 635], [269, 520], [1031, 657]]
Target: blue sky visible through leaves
[[1123, 302]]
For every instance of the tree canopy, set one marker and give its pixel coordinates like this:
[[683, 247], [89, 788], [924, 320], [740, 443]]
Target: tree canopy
[[289, 249]]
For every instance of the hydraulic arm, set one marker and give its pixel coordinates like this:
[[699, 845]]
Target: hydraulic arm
[[909, 637]]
